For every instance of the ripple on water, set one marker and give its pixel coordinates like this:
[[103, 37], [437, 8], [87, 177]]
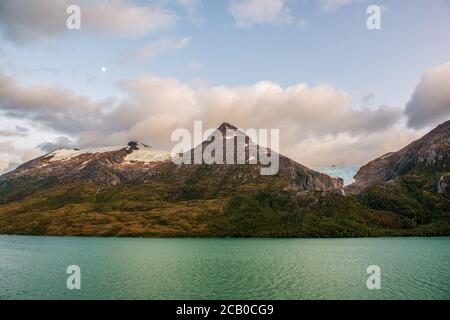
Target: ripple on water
[[412, 268]]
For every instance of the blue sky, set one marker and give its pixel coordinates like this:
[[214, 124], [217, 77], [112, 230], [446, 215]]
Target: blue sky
[[208, 46], [333, 47]]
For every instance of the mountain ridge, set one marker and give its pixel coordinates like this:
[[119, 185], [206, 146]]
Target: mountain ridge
[[116, 193], [112, 166], [433, 149]]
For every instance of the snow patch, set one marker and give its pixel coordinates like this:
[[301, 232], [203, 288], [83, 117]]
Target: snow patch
[[68, 154], [142, 153], [148, 155]]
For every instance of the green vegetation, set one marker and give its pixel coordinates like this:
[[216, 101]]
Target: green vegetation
[[407, 206], [413, 196]]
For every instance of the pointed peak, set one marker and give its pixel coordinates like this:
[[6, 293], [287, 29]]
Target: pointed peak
[[444, 124], [134, 145], [226, 126]]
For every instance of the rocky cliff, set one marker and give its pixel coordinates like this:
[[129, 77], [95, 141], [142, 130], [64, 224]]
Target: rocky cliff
[[430, 151]]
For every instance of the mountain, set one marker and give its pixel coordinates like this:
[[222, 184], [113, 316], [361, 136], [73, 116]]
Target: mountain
[[135, 190], [139, 164], [103, 166], [431, 152], [412, 182], [298, 177]]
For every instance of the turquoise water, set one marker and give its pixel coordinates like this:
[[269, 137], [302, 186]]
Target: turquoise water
[[411, 268]]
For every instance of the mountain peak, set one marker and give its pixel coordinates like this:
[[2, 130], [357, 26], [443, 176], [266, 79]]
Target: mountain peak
[[226, 126], [432, 150], [134, 145]]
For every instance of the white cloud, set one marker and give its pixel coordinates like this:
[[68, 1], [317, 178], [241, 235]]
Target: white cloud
[[302, 23], [318, 126], [7, 166], [29, 21], [57, 108], [345, 149], [117, 17], [8, 133], [319, 115], [430, 103], [11, 156], [330, 5], [155, 48], [193, 66], [17, 132], [3, 165], [192, 8], [254, 12], [59, 143], [189, 3]]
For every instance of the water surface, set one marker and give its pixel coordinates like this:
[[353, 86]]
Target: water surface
[[111, 268]]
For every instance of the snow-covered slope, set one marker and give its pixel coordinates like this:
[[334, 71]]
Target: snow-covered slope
[[139, 163], [147, 155], [67, 154], [107, 166], [346, 173], [136, 152]]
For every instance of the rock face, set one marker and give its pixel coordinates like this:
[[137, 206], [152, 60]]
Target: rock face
[[443, 186], [138, 164], [300, 177], [430, 151], [105, 166]]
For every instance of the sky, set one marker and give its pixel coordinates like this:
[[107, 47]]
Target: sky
[[340, 94]]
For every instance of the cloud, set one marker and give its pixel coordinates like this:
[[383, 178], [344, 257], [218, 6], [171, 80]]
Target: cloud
[[126, 19], [345, 149], [190, 4], [247, 13], [8, 133], [193, 66], [302, 23], [155, 48], [11, 156], [331, 5], [7, 166], [154, 107], [20, 129], [59, 143], [24, 21], [315, 122], [430, 103], [56, 108], [6, 147], [18, 132], [192, 8], [369, 99]]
